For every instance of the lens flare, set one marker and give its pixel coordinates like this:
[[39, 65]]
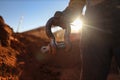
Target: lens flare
[[76, 26]]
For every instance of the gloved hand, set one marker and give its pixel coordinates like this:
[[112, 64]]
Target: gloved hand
[[58, 14], [60, 20], [65, 18]]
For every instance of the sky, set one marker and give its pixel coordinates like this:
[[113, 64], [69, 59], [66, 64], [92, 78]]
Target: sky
[[24, 15]]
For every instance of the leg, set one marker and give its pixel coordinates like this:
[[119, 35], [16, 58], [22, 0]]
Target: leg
[[96, 56]]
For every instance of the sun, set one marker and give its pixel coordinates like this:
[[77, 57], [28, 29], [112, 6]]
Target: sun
[[76, 26]]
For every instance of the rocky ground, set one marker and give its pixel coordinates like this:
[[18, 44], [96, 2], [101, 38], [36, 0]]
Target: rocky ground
[[23, 60]]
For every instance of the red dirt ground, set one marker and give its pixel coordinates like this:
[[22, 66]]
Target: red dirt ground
[[24, 60]]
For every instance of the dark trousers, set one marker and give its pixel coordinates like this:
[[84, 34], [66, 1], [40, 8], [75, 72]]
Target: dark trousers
[[97, 49], [100, 40]]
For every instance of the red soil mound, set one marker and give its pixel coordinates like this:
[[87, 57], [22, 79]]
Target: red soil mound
[[24, 60]]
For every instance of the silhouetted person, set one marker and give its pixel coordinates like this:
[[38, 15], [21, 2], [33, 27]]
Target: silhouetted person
[[100, 38]]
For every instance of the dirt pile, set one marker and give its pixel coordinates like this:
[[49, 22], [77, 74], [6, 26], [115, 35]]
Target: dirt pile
[[23, 60], [61, 66], [9, 64], [8, 55]]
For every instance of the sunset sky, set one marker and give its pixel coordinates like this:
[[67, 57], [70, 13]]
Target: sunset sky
[[24, 15]]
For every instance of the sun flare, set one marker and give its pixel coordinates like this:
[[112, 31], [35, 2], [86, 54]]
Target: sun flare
[[76, 26]]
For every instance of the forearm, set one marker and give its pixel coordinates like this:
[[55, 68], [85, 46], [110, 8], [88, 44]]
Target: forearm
[[74, 8], [70, 13]]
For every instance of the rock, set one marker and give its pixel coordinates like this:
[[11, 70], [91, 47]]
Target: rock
[[5, 33]]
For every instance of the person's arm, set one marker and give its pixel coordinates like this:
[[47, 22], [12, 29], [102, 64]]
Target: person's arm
[[71, 12], [75, 6], [63, 20]]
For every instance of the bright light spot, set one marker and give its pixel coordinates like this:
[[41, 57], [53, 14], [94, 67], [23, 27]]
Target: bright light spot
[[76, 26], [84, 10], [55, 29]]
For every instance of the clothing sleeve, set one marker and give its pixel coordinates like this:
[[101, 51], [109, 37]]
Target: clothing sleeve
[[74, 9], [75, 6]]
